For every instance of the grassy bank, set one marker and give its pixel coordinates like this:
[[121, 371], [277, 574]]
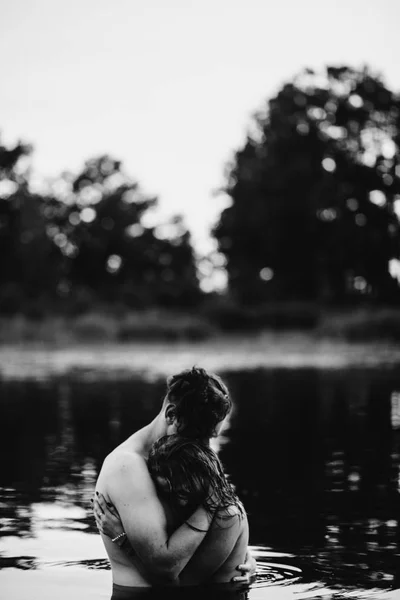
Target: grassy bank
[[159, 343], [220, 354], [96, 327], [207, 323]]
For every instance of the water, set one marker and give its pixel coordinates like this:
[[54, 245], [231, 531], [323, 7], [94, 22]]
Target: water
[[314, 454]]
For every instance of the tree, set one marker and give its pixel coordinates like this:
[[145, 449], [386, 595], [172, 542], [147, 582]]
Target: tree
[[111, 253], [30, 261], [83, 241], [313, 193]]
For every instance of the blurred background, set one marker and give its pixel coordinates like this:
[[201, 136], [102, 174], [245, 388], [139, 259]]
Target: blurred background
[[230, 161], [212, 183]]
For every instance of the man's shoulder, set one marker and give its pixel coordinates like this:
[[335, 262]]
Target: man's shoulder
[[123, 459], [124, 472]]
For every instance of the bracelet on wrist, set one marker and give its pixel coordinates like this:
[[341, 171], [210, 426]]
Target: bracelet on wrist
[[119, 537]]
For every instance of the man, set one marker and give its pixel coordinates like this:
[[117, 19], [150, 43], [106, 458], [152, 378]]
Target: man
[[195, 406]]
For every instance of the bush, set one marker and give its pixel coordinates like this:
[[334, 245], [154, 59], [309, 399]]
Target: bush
[[162, 325], [231, 317], [11, 299], [94, 327], [19, 329], [363, 325], [105, 326]]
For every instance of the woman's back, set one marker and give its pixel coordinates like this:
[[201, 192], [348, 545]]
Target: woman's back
[[187, 474], [237, 556], [221, 551]]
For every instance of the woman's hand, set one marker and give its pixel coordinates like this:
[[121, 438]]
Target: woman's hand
[[107, 517], [247, 570]]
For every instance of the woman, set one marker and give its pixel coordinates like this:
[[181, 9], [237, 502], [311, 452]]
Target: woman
[[187, 474]]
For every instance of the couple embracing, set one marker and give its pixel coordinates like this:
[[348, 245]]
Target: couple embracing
[[166, 512]]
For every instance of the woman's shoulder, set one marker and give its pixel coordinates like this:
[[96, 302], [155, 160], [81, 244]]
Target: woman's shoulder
[[229, 515]]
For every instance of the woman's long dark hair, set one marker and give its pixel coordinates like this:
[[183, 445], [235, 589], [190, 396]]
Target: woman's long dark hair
[[195, 470]]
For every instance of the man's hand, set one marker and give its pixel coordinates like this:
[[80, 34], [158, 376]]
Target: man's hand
[[107, 518], [247, 570]]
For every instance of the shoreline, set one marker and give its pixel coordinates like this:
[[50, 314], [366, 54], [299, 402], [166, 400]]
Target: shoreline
[[225, 353]]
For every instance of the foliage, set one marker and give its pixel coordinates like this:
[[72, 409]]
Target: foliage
[[83, 241], [30, 260], [113, 254], [314, 193], [232, 317], [105, 325], [362, 325]]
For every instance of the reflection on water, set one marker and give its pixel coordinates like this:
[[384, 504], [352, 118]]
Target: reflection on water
[[314, 454]]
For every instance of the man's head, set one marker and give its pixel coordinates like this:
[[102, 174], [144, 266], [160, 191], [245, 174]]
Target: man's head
[[196, 404]]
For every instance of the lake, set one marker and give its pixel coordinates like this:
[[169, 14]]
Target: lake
[[314, 454]]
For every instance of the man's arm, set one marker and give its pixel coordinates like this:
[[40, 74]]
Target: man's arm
[[110, 524], [132, 491]]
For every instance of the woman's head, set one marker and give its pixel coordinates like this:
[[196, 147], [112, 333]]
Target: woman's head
[[199, 402], [189, 473]]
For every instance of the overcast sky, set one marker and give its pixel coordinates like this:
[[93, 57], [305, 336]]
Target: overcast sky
[[169, 86]]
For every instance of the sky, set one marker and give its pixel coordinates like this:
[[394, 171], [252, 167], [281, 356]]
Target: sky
[[169, 86]]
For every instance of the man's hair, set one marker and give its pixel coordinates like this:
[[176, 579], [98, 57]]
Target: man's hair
[[194, 473], [201, 402]]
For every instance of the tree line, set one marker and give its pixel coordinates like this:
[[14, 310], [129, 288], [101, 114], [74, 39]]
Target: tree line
[[313, 215], [82, 243]]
